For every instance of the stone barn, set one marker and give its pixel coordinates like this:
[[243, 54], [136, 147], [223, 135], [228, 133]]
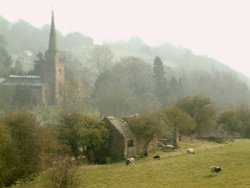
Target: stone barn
[[122, 142]]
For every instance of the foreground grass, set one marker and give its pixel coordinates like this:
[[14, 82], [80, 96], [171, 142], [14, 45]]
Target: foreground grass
[[174, 170]]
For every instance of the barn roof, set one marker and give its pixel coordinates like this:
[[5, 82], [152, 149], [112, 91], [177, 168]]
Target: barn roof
[[121, 126]]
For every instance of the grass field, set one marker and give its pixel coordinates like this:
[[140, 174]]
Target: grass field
[[174, 170]]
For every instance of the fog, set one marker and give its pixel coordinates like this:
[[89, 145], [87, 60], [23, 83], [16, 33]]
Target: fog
[[217, 29]]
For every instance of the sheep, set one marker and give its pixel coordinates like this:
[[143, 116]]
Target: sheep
[[157, 157], [190, 151], [130, 160], [215, 169], [169, 147]]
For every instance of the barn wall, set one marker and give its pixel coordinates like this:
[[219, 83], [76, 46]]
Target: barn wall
[[130, 151], [116, 144]]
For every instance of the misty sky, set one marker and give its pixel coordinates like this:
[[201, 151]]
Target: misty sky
[[217, 28]]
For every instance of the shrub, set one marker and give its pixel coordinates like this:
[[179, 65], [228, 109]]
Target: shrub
[[63, 175], [22, 159]]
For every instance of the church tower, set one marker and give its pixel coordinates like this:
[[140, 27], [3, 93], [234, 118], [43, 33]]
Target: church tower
[[54, 70]]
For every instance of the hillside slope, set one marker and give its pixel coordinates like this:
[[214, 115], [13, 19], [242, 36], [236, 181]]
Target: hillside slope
[[174, 170]]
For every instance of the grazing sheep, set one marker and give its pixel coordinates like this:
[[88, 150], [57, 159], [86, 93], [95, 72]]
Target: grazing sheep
[[157, 157], [169, 147], [190, 151], [130, 160], [216, 169]]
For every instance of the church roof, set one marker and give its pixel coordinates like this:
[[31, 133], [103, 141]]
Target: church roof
[[26, 80]]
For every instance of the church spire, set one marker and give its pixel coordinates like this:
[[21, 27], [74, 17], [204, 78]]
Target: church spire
[[52, 39]]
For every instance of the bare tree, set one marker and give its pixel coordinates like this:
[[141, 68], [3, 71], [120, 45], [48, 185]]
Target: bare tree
[[101, 57], [125, 89]]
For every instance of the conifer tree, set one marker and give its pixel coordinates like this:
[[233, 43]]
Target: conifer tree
[[161, 87]]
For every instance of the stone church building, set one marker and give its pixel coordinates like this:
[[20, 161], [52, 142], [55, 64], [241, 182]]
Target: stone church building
[[47, 85]]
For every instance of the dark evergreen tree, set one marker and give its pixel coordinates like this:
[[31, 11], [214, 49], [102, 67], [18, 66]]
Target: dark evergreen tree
[[39, 65], [161, 85]]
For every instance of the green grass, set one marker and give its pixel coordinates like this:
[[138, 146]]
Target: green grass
[[174, 170]]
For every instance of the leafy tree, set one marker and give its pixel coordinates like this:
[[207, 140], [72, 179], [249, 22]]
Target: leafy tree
[[23, 130], [68, 126], [50, 146], [63, 175], [146, 127], [7, 156], [243, 113], [82, 134], [93, 135], [161, 87], [177, 120], [202, 111], [229, 120]]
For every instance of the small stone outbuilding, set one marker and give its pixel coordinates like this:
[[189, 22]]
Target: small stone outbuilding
[[122, 142]]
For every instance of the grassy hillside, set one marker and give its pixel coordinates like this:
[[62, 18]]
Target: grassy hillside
[[176, 169]]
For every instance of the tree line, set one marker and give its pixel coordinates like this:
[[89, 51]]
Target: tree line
[[29, 145], [142, 78]]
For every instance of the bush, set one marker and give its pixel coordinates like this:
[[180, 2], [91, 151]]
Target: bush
[[63, 175], [22, 159], [6, 156]]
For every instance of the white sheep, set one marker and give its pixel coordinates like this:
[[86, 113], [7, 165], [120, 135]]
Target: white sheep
[[169, 147], [190, 151], [130, 160]]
